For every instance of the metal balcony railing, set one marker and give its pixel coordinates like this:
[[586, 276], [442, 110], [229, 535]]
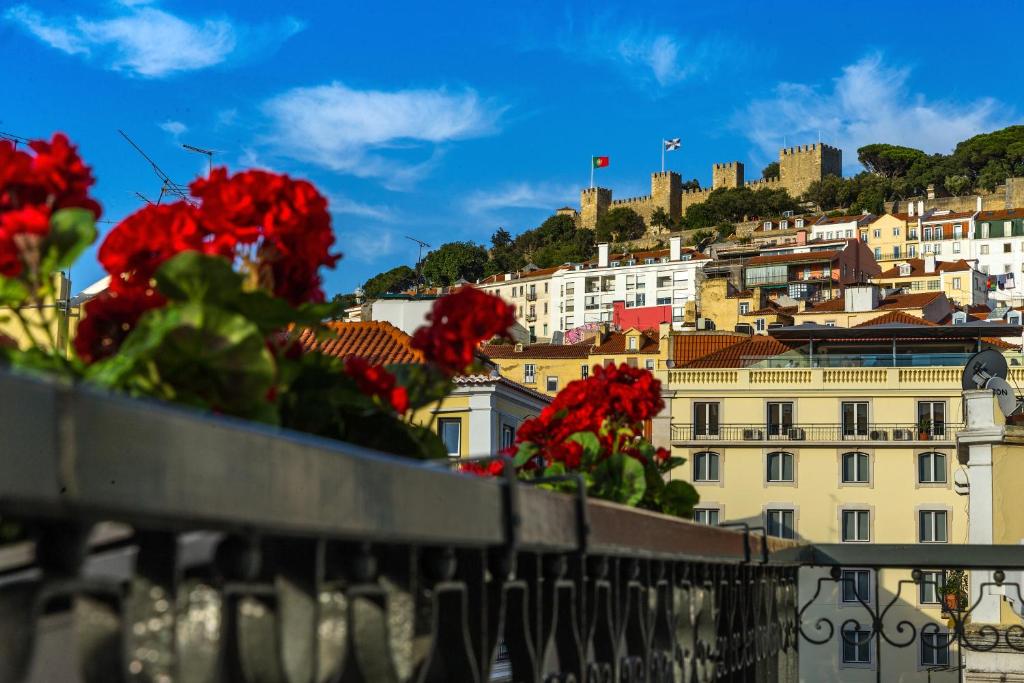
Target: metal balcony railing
[[161, 544], [531, 317], [531, 296], [877, 433]]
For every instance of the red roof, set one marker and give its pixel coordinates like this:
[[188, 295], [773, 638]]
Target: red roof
[[893, 317], [891, 302], [848, 218], [689, 347], [917, 268], [1001, 215], [616, 343], [733, 356], [807, 256], [940, 218], [581, 350], [377, 342], [498, 278]]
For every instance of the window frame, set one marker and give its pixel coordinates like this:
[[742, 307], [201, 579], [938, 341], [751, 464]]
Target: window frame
[[856, 468], [529, 373], [782, 425], [702, 467], [852, 600], [856, 429], [547, 382], [935, 649], [708, 511], [781, 459], [934, 513], [933, 469], [708, 428], [843, 512], [937, 587], [868, 643], [781, 524], [443, 422]]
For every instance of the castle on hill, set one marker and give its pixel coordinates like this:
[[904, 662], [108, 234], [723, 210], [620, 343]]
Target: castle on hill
[[798, 167]]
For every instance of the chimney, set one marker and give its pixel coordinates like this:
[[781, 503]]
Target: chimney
[[675, 248], [602, 255], [801, 237], [929, 263], [861, 298], [920, 207], [508, 276], [910, 209], [977, 204], [930, 190]]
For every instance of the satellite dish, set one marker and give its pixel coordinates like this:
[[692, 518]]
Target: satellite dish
[[981, 367], [1004, 395]]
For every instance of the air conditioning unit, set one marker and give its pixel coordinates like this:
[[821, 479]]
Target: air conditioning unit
[[796, 434], [753, 435], [878, 435], [902, 435]]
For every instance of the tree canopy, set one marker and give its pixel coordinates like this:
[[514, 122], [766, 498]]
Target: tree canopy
[[453, 261], [620, 224], [728, 205], [770, 171], [390, 281]]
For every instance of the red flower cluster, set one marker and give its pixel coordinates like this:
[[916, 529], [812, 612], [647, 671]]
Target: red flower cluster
[[275, 227], [458, 323], [611, 397], [109, 318], [374, 380], [32, 187]]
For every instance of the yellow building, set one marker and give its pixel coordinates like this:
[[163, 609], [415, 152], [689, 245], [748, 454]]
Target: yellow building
[[549, 367], [728, 308], [479, 417], [887, 237], [863, 304], [960, 281], [844, 436]]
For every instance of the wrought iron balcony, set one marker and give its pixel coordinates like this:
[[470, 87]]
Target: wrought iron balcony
[[159, 544], [875, 434], [531, 296], [531, 317]]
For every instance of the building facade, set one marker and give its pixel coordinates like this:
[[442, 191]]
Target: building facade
[[529, 292], [958, 279]]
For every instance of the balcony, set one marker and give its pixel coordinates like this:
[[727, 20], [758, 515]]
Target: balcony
[[531, 296], [531, 317], [881, 434], [159, 543]]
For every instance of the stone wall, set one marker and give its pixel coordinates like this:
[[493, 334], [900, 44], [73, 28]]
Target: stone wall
[[1009, 195], [729, 174], [802, 165]]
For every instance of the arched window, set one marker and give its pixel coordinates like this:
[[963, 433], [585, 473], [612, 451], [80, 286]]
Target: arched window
[[931, 468], [780, 466], [705, 466], [855, 468]]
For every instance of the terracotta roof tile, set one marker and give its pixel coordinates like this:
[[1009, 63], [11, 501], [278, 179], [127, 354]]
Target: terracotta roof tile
[[377, 342], [848, 218], [690, 347], [734, 356], [581, 350], [616, 343], [917, 268], [891, 302], [498, 278], [1001, 215], [894, 317], [809, 256], [488, 380], [930, 217]]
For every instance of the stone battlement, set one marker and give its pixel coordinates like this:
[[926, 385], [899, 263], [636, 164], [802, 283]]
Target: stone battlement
[[803, 149], [728, 164], [632, 200]]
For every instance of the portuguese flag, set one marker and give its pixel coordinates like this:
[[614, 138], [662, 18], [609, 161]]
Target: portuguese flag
[[600, 162]]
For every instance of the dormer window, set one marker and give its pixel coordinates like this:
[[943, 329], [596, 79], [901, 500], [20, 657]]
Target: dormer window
[[904, 269], [631, 343], [767, 225], [614, 264], [649, 261], [783, 225], [799, 222]]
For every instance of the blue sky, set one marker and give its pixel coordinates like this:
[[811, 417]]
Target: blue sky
[[444, 121]]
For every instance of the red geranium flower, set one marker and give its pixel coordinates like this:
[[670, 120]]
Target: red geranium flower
[[109, 318], [374, 380], [458, 323]]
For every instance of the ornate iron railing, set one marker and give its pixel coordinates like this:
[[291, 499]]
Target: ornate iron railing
[[877, 433], [245, 554]]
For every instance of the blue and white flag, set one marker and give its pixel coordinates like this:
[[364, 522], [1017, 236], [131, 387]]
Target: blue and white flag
[[672, 144]]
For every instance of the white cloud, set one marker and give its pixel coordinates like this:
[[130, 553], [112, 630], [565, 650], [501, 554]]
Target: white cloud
[[147, 41], [357, 131], [521, 195], [345, 205], [869, 101], [175, 128], [367, 247]]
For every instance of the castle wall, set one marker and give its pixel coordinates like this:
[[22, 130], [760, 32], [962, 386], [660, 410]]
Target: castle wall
[[691, 197], [642, 205], [594, 203], [666, 192], [802, 165], [729, 174], [765, 184]]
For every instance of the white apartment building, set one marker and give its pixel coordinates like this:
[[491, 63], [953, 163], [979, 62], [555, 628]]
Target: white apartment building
[[998, 247], [585, 293], [529, 291], [840, 227], [943, 233]]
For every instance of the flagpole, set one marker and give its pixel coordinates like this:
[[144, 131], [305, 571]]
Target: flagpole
[[662, 156], [591, 172]]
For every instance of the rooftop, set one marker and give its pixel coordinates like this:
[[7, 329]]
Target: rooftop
[[616, 343], [581, 350], [377, 342], [689, 347], [1001, 215], [891, 302], [917, 268], [804, 257]]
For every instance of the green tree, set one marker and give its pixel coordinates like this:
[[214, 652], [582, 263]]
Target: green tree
[[620, 224], [771, 170], [994, 173], [830, 192], [454, 261], [660, 219], [395, 280], [504, 257], [889, 161], [692, 184], [957, 184]]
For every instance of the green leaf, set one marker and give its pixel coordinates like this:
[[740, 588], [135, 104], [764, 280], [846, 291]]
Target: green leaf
[[621, 479], [678, 498], [13, 292], [525, 452], [590, 443], [71, 233], [192, 276]]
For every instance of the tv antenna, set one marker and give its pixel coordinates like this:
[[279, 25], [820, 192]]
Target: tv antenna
[[169, 186], [16, 139], [144, 198], [207, 152], [419, 261]]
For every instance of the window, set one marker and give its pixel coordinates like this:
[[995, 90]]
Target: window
[[759, 324], [855, 418], [856, 526], [912, 251], [877, 233], [584, 371], [863, 235], [780, 417], [450, 430], [855, 468], [783, 225], [799, 222], [830, 323], [856, 645], [896, 251], [983, 250], [930, 589], [744, 307], [630, 281], [895, 232], [552, 383], [934, 284], [984, 230], [878, 253], [705, 419], [767, 225], [931, 418], [958, 231], [927, 233], [706, 516], [631, 343], [705, 466], [780, 466], [1007, 247], [780, 523], [956, 283], [856, 583], [932, 528], [508, 435], [641, 299], [529, 374], [649, 364], [934, 649]]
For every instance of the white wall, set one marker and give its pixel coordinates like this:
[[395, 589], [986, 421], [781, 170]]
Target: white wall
[[405, 314]]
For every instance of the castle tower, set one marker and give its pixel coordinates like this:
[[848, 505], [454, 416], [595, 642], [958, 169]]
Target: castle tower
[[729, 174], [594, 203], [667, 193], [802, 165]]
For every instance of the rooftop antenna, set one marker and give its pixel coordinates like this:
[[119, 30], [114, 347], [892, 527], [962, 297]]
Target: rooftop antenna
[[419, 261], [199, 150], [169, 186], [144, 198]]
